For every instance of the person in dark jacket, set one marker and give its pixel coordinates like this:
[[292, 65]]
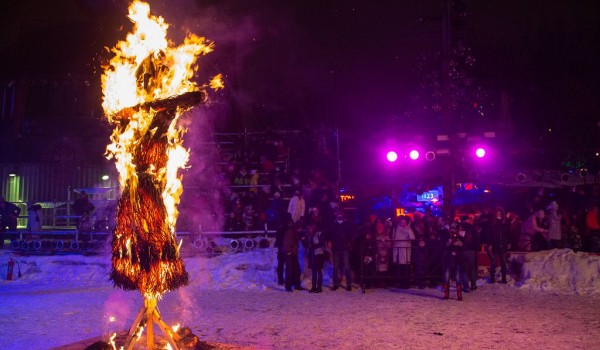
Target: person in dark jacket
[[368, 250], [287, 222], [316, 255], [9, 213], [452, 260], [340, 241], [290, 251], [496, 240], [470, 249]]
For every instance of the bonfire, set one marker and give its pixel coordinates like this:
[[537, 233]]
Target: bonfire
[[146, 87]]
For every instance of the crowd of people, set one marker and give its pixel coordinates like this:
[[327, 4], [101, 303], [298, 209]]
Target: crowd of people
[[417, 249]]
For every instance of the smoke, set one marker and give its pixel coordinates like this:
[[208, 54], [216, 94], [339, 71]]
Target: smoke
[[117, 312], [273, 70], [201, 206]]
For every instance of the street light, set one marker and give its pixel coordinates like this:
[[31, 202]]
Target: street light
[[392, 156], [480, 152]]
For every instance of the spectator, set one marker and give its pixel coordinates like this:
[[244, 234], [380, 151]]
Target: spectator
[[452, 261], [287, 223], [9, 213], [277, 211], [591, 239], [573, 233], [401, 242], [297, 207], [290, 251], [368, 264], [532, 233], [316, 254], [496, 240], [382, 237], [236, 217], [339, 243], [242, 178], [554, 227], [82, 205], [515, 223], [35, 219], [471, 247], [422, 247]]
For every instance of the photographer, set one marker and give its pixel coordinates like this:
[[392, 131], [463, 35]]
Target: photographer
[[453, 259]]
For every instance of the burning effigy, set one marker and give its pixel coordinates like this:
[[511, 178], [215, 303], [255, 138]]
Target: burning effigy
[[147, 86]]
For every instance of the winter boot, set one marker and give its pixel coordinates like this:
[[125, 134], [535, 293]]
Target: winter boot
[[446, 290], [458, 292]]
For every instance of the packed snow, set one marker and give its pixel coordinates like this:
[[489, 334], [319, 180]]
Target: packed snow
[[551, 302]]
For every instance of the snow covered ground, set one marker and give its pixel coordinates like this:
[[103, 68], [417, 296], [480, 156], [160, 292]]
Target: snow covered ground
[[553, 303]]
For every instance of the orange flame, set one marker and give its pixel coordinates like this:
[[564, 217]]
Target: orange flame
[[147, 67]]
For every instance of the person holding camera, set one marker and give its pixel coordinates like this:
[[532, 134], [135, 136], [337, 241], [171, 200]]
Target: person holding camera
[[453, 260]]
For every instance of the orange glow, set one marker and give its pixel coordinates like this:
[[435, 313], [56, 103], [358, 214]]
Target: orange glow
[[146, 74], [346, 197]]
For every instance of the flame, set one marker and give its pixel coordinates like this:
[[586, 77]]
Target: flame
[[217, 82], [149, 39], [121, 86], [111, 341], [147, 67]]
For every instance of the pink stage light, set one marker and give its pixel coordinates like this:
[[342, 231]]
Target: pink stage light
[[392, 156], [480, 152], [414, 154]]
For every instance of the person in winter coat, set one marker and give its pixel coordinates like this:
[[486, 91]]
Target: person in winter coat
[[452, 261], [340, 241], [297, 207], [402, 238], [35, 219], [287, 223], [496, 241], [316, 255], [9, 213], [368, 272], [470, 249], [554, 226], [532, 233], [290, 251]]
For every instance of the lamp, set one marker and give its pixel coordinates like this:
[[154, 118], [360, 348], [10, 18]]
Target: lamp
[[430, 155]]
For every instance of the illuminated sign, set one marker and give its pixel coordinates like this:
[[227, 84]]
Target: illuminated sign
[[346, 197], [429, 196]]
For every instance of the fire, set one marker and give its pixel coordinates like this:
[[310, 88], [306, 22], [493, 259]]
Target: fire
[[146, 86]]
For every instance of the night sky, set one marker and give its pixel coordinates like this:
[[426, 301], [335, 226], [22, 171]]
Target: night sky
[[346, 63]]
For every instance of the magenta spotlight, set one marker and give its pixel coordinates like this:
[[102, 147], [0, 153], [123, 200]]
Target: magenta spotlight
[[414, 154], [480, 152], [392, 156]]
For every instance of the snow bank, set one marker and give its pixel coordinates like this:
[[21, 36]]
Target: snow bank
[[559, 271]]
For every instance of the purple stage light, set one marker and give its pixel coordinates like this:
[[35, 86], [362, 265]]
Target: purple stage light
[[392, 156], [414, 154], [480, 152]]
